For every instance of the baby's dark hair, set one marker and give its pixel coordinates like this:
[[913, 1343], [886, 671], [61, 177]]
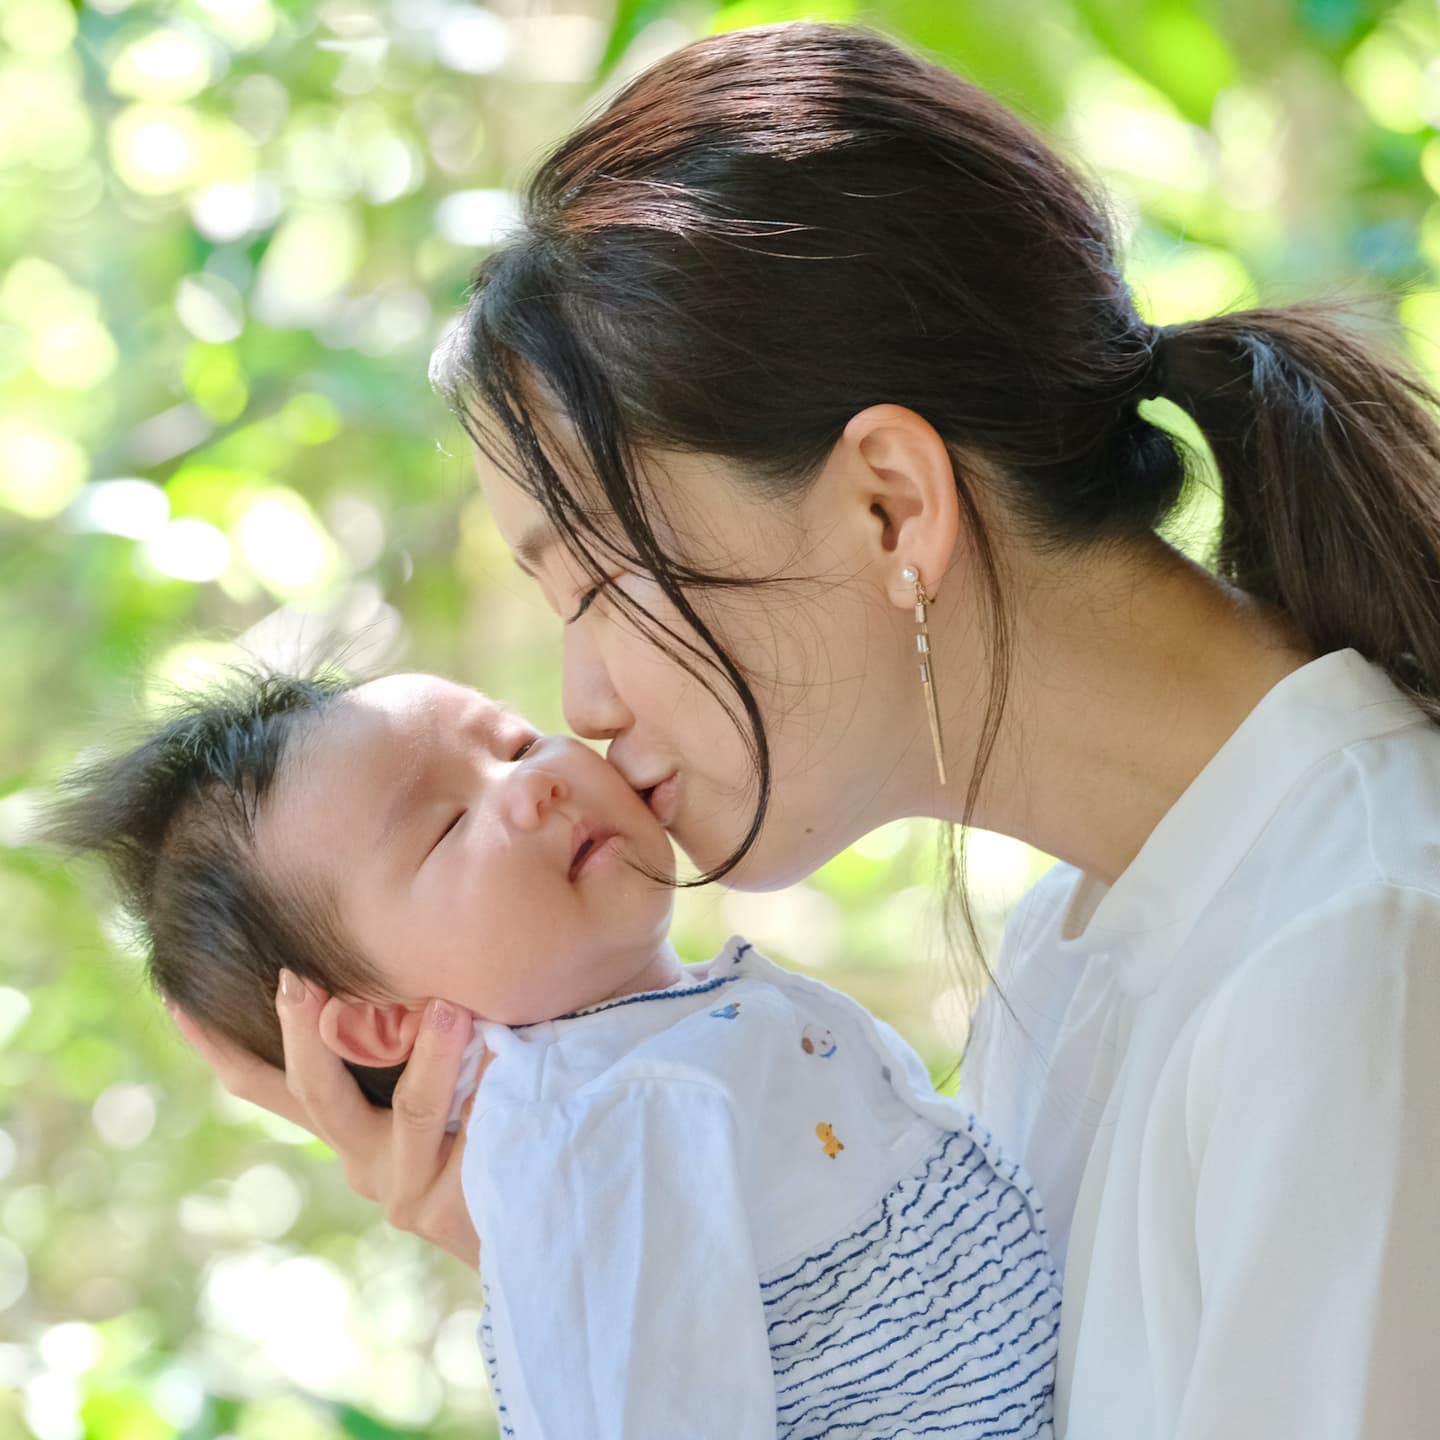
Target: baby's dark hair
[[173, 817]]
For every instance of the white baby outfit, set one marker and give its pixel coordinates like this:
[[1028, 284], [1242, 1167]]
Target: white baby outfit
[[736, 1208], [1223, 1073]]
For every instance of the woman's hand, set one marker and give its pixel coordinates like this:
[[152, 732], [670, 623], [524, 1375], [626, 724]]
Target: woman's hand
[[401, 1158]]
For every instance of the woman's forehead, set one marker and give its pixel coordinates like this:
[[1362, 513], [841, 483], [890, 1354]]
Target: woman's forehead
[[696, 507], [528, 532], [513, 511]]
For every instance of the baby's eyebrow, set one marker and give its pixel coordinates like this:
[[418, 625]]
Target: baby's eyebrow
[[402, 803]]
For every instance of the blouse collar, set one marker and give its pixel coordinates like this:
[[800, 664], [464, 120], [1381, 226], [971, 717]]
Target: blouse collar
[[1143, 918]]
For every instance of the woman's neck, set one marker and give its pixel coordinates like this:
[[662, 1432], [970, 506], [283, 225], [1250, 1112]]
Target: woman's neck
[[1129, 673]]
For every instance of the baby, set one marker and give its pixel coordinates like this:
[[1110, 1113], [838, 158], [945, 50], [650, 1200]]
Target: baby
[[713, 1200]]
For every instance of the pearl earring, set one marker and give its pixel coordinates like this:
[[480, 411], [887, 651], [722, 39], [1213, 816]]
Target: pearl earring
[[911, 576]]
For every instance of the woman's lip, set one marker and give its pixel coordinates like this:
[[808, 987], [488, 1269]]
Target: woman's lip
[[662, 798]]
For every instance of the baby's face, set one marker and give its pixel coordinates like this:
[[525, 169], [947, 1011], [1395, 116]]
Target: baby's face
[[472, 857]]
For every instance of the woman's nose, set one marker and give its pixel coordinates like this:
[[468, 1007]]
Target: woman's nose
[[532, 793], [592, 706]]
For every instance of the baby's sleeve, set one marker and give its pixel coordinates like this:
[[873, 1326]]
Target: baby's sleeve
[[623, 1297]]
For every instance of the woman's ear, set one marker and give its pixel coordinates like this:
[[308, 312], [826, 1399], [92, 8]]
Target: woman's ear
[[367, 1033], [906, 475]]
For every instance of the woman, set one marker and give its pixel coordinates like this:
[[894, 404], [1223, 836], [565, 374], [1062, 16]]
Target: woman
[[808, 394]]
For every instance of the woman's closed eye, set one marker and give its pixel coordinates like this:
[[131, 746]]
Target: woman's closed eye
[[589, 598]]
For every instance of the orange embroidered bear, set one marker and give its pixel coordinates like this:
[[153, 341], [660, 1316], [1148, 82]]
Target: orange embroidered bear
[[827, 1138]]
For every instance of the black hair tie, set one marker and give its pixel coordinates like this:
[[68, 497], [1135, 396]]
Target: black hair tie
[[1156, 376]]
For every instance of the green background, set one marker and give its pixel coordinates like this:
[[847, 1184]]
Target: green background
[[230, 233]]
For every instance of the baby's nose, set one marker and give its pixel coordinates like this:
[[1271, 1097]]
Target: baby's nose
[[533, 792]]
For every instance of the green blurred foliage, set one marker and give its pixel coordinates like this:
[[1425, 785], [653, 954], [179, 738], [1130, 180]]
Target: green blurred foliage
[[230, 233]]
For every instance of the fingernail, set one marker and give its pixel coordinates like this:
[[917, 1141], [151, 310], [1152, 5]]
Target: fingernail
[[292, 988], [439, 1016]]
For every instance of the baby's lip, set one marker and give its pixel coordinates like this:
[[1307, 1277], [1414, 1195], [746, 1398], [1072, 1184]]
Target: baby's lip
[[587, 838]]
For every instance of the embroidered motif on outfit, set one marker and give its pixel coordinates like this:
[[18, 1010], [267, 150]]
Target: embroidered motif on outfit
[[727, 1012], [827, 1138], [817, 1040]]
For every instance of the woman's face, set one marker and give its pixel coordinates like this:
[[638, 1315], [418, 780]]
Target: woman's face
[[830, 658]]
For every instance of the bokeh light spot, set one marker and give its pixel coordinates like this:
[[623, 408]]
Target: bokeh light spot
[[210, 308], [1191, 282], [310, 419], [136, 509], [38, 27], [75, 354], [214, 377], [243, 24], [18, 811], [189, 550], [124, 1115], [41, 471], [14, 1011], [230, 209], [284, 543], [309, 262], [70, 1348], [476, 217], [1386, 75], [155, 148], [165, 65], [472, 40], [184, 667]]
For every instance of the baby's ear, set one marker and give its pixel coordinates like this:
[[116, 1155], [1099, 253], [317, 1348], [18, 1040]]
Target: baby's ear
[[368, 1033]]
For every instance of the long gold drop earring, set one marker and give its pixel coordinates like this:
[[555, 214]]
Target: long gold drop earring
[[911, 576]]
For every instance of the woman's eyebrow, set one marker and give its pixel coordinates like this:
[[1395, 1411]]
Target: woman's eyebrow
[[533, 544]]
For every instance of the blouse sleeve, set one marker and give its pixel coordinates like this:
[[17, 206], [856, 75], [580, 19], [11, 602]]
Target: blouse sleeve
[[1314, 1119], [623, 1298]]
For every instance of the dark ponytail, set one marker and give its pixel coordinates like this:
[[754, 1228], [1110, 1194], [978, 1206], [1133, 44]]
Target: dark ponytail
[[1329, 461]]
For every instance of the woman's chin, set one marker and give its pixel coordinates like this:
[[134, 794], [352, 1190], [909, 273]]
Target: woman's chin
[[772, 863]]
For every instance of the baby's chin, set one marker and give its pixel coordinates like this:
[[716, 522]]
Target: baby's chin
[[649, 847]]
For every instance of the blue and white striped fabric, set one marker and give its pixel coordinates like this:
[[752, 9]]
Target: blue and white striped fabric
[[938, 1316], [736, 1209]]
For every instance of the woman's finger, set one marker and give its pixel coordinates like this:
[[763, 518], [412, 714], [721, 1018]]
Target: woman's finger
[[337, 1108], [455, 1230], [445, 1218], [244, 1075], [420, 1146]]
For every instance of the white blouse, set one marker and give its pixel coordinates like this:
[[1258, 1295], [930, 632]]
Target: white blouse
[[1223, 1075]]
